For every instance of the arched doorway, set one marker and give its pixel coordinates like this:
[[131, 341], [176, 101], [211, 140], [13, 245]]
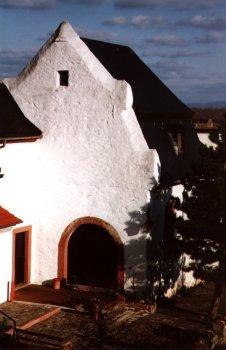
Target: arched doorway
[[91, 253], [92, 257]]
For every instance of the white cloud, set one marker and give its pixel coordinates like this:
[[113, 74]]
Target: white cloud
[[139, 21], [11, 62], [171, 4], [200, 21], [210, 38], [141, 3], [170, 69], [96, 34], [174, 54], [174, 4], [44, 4], [167, 40], [86, 2], [146, 22], [27, 4], [197, 4], [118, 21]]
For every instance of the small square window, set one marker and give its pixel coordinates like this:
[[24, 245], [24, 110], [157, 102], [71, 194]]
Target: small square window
[[178, 141], [63, 77]]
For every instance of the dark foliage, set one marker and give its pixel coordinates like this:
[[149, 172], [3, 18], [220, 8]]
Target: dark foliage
[[202, 228]]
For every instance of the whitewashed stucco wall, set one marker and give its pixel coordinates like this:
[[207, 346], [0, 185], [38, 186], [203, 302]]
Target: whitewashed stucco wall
[[93, 159], [5, 262]]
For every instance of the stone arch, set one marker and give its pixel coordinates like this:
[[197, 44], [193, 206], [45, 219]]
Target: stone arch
[[68, 232]]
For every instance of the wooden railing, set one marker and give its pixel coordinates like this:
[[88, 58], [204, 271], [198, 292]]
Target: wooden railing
[[25, 335]]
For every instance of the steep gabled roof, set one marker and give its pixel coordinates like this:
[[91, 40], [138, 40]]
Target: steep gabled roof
[[14, 126], [7, 219], [150, 94]]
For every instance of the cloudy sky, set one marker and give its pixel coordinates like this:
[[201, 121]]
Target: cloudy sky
[[182, 41]]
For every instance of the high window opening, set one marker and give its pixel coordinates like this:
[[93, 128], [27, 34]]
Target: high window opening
[[92, 257], [178, 141], [176, 134], [63, 77]]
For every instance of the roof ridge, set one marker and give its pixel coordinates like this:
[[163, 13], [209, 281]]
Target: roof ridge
[[64, 32], [107, 43]]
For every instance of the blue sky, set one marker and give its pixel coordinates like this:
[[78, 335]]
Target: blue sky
[[182, 41]]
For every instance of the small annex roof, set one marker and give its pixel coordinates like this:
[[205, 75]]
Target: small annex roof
[[150, 95], [14, 126], [7, 219]]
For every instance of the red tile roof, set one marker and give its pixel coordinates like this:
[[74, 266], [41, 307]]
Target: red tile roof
[[7, 219]]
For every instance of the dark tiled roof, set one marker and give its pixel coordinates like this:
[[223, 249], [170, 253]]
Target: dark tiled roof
[[14, 126], [150, 94], [7, 219]]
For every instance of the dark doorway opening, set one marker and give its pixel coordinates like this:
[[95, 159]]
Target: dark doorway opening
[[20, 252], [92, 257], [21, 258]]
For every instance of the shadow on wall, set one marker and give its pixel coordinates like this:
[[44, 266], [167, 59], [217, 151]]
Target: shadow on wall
[[156, 263], [140, 220], [159, 135], [158, 269]]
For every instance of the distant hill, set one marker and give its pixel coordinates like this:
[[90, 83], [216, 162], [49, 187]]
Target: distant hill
[[203, 114], [214, 104]]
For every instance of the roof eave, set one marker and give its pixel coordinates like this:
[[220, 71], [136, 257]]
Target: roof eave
[[12, 139], [11, 224]]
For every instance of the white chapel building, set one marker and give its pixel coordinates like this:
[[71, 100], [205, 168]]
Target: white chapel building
[[86, 132]]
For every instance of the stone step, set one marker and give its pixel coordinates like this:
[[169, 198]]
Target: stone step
[[40, 318], [24, 312]]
